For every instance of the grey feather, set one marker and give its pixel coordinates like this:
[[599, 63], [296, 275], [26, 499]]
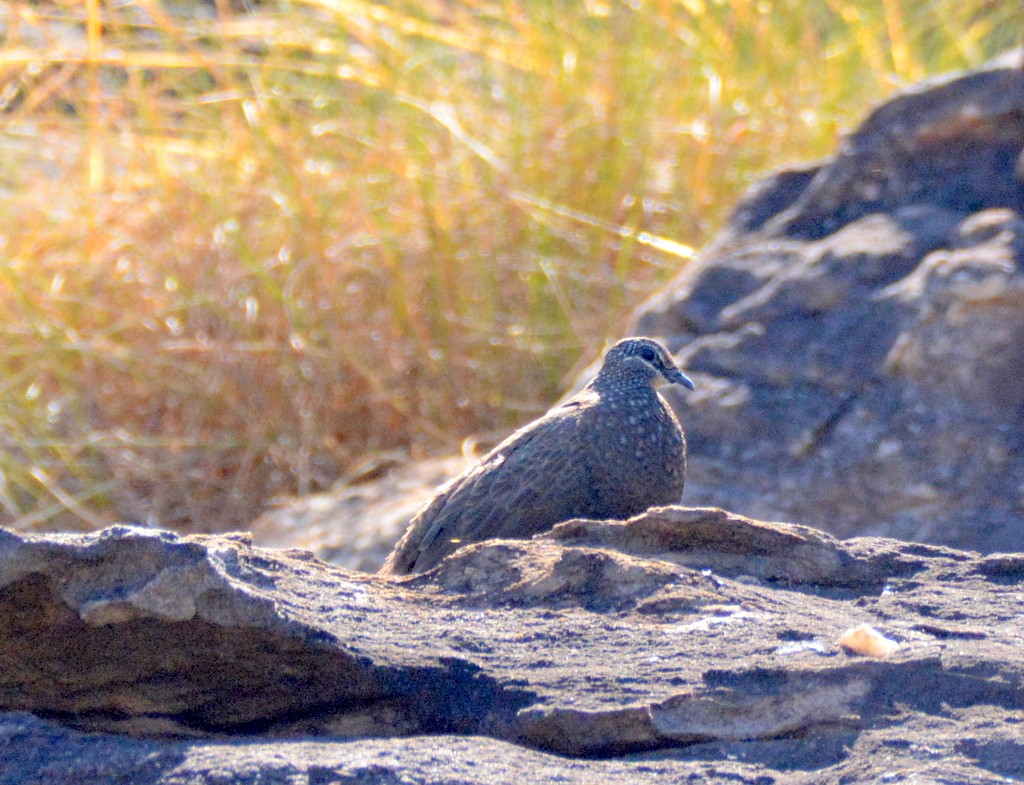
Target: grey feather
[[611, 451]]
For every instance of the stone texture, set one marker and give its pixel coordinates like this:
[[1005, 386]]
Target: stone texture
[[857, 330], [683, 643]]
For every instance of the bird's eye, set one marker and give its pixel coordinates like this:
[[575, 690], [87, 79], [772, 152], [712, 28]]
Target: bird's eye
[[648, 354]]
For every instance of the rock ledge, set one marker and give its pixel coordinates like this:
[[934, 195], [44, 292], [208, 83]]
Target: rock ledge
[[687, 642]]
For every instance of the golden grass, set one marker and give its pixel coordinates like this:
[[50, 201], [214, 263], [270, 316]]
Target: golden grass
[[247, 244]]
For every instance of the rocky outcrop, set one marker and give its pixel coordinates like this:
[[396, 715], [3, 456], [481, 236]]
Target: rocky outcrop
[[857, 331], [683, 643]]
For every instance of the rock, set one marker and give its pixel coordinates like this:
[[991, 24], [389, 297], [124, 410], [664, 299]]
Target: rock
[[857, 330], [684, 643]]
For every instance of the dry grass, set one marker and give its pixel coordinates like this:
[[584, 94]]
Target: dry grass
[[245, 245]]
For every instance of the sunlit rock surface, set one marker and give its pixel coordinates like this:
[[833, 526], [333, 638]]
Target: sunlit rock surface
[[856, 332], [683, 643]]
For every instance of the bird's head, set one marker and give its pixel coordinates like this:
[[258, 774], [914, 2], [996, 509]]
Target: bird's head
[[642, 357]]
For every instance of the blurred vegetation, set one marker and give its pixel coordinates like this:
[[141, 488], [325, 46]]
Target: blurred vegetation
[[245, 245]]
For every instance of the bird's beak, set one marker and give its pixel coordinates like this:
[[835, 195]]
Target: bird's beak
[[675, 376]]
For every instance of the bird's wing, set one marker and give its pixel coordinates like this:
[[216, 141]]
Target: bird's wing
[[524, 485]]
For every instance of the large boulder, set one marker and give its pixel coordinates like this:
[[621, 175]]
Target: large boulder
[[684, 644], [857, 330]]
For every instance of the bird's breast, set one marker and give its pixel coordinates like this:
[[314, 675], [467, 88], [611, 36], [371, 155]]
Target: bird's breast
[[640, 460]]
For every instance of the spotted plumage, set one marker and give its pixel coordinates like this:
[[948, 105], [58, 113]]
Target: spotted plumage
[[611, 451]]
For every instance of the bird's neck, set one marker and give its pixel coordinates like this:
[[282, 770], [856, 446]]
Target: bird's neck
[[622, 387]]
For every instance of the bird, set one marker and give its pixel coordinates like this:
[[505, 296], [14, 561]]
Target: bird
[[611, 451]]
